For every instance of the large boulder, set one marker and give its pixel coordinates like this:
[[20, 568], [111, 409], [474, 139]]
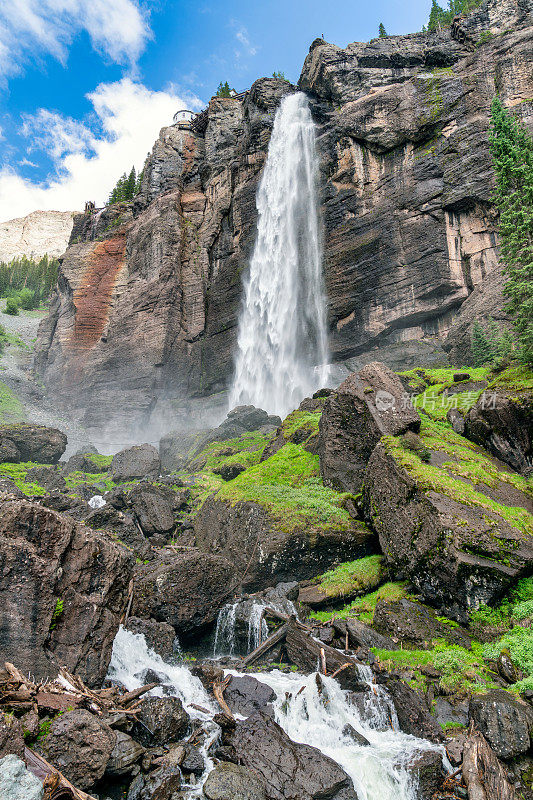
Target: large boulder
[[288, 770], [505, 721], [502, 422], [81, 461], [63, 589], [186, 590], [229, 781], [153, 507], [124, 755], [139, 461], [161, 784], [368, 405], [413, 715], [16, 782], [160, 720], [26, 442], [415, 624], [458, 546], [79, 745], [244, 694], [160, 636], [266, 550]]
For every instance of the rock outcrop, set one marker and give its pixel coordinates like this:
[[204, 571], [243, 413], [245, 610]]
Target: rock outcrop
[[25, 442], [37, 234], [149, 293]]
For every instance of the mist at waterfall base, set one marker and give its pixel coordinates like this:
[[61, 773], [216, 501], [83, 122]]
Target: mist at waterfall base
[[282, 351], [317, 713]]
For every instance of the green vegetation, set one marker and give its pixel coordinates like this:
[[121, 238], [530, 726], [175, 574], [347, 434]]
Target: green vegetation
[[17, 473], [491, 345], [511, 147], [280, 75], [99, 460], [382, 32], [518, 378], [429, 386], [126, 187], [363, 607], [441, 18], [12, 307], [11, 409], [28, 282], [304, 421], [56, 614], [97, 479], [224, 90], [352, 577]]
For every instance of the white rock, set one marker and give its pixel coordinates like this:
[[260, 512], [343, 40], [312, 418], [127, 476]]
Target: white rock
[[16, 782], [97, 501], [39, 233]]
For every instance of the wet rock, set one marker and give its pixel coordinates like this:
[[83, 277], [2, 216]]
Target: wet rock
[[11, 736], [413, 715], [192, 761], [160, 720], [186, 590], [153, 507], [139, 461], [18, 783], [124, 755], [355, 736], [79, 745], [416, 624], [502, 422], [361, 635], [504, 721], [228, 781], [428, 772], [26, 442], [245, 694], [161, 784], [47, 557], [368, 405], [159, 636], [289, 771]]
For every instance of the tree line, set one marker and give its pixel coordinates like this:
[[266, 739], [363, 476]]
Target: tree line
[[126, 187], [27, 282]]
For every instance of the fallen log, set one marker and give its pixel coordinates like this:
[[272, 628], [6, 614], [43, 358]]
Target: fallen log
[[135, 693], [218, 691], [56, 785], [263, 648], [305, 651], [483, 774]]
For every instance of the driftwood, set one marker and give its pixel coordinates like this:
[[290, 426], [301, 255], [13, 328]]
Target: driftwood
[[263, 648], [309, 655], [483, 775], [127, 698], [56, 785], [218, 691]]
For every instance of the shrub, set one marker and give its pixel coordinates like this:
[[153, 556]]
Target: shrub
[[12, 307]]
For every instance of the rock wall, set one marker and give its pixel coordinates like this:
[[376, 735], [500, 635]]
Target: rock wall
[[409, 228], [36, 234]]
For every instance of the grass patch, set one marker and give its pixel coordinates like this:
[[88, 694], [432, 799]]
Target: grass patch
[[353, 577], [306, 421], [99, 479], [517, 377], [363, 607], [11, 409], [99, 460], [17, 473], [246, 449]]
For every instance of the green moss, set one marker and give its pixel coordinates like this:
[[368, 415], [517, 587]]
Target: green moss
[[517, 377], [353, 577], [11, 409], [57, 614], [17, 473], [363, 608], [99, 460], [307, 421], [97, 479], [288, 485], [246, 449]]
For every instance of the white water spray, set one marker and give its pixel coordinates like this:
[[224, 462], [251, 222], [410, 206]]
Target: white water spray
[[282, 345]]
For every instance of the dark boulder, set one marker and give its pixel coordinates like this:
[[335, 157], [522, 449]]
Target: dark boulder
[[153, 508], [140, 461], [81, 461], [229, 471], [26, 442], [361, 635], [63, 589], [368, 405], [186, 590], [161, 784], [427, 773], [79, 745], [415, 624], [47, 477], [245, 694], [160, 720], [160, 636], [124, 755], [186, 756], [122, 525], [229, 781], [413, 715], [505, 721], [11, 736], [502, 422], [288, 770]]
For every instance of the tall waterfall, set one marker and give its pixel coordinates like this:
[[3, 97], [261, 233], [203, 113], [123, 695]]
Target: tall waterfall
[[282, 344]]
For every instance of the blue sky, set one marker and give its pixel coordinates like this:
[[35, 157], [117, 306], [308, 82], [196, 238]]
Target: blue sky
[[85, 85]]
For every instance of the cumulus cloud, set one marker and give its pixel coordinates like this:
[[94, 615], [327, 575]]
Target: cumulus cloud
[[28, 28], [88, 164]]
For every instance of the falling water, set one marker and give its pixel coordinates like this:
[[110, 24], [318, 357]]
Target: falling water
[[282, 344], [226, 630]]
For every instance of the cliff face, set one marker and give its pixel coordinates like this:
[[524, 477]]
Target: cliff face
[[36, 234], [146, 313]]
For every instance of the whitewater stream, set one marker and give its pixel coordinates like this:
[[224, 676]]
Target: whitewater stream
[[320, 718], [282, 351]]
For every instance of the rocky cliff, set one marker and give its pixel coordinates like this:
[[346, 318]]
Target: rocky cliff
[[145, 317], [36, 234]]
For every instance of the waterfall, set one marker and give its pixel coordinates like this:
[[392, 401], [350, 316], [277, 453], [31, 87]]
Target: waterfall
[[282, 353], [226, 635]]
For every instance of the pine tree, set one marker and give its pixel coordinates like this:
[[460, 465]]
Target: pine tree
[[480, 346], [511, 146], [223, 90], [129, 189], [382, 32]]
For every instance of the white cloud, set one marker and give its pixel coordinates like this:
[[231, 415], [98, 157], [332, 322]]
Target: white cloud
[[243, 38], [29, 28], [87, 165]]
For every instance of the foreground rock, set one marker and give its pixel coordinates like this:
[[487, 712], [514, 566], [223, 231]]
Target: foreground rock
[[63, 589], [160, 720], [24, 442], [504, 721], [289, 771], [140, 461], [368, 405], [159, 636], [185, 590], [228, 780], [16, 782]]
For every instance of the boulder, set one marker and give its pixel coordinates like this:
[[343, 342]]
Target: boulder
[[139, 461], [18, 783], [80, 461], [160, 636], [229, 471], [415, 624], [79, 745], [361, 635], [502, 422], [11, 736], [413, 715], [289, 771], [265, 550], [122, 525], [186, 590], [161, 784], [245, 694], [48, 477], [229, 781], [26, 442], [505, 722], [124, 755], [368, 405], [427, 773], [63, 589], [458, 554], [186, 756], [153, 508], [160, 720]]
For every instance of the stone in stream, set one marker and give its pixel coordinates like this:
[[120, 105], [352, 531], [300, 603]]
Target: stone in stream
[[161, 784], [160, 636], [160, 720], [18, 783], [125, 754], [28, 442], [245, 694], [428, 773], [229, 781], [413, 717]]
